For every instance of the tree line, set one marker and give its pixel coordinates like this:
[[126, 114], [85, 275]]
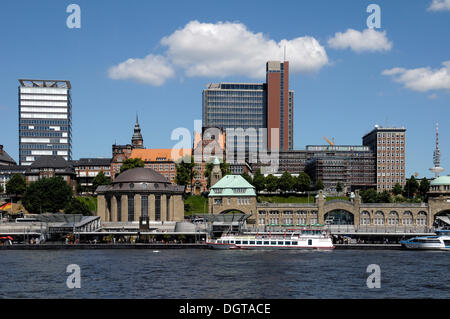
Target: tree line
[[286, 183], [413, 191], [47, 195]]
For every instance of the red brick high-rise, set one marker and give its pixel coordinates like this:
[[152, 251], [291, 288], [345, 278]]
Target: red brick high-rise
[[280, 105]]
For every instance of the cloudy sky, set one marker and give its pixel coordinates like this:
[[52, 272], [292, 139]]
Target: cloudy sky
[[154, 58]]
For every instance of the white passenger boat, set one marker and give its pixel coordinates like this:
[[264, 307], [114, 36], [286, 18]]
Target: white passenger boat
[[297, 239], [441, 241]]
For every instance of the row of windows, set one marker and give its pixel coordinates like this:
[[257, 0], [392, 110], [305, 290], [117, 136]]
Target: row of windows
[[287, 221], [44, 146], [390, 148], [45, 128], [45, 122], [289, 212], [43, 134]]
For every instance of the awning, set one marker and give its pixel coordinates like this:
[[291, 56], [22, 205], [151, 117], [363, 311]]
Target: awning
[[445, 219]]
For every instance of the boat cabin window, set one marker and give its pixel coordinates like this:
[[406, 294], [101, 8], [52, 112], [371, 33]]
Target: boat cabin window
[[252, 242], [295, 243], [259, 242], [309, 242], [280, 242], [238, 242], [273, 242], [245, 242], [287, 242], [266, 242]]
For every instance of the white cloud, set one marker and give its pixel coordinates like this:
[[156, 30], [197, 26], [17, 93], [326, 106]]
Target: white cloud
[[368, 40], [439, 5], [153, 70], [225, 48], [221, 49], [422, 79]]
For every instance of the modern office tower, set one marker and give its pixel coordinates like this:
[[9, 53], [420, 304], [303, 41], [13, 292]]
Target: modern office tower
[[236, 106], [45, 119], [388, 143], [254, 106], [280, 103]]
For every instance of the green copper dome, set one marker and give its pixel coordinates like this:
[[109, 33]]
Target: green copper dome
[[442, 180]]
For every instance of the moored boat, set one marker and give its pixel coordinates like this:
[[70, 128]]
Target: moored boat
[[296, 239], [440, 241]]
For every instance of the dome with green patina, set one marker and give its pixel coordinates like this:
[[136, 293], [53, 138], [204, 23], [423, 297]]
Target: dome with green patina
[[441, 180]]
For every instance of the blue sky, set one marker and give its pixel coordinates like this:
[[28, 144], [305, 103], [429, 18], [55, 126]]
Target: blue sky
[[394, 76]]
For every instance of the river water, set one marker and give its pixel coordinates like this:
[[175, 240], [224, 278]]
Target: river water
[[192, 273]]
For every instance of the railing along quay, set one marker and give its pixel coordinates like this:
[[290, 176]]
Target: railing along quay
[[50, 246]]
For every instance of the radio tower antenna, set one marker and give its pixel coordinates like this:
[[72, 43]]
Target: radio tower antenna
[[437, 156]]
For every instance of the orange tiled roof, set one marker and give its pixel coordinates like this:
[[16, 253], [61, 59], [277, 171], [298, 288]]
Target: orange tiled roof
[[153, 154]]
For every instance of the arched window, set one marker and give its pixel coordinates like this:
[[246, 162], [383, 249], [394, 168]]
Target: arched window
[[407, 218], [365, 218], [379, 218], [421, 218], [393, 218]]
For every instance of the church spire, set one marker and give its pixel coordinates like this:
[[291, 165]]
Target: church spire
[[137, 141]]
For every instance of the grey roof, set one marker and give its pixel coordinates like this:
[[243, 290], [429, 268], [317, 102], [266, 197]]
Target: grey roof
[[92, 161], [140, 174], [4, 157], [50, 161], [12, 169]]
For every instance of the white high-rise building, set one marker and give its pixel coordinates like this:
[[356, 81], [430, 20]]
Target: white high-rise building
[[45, 119]]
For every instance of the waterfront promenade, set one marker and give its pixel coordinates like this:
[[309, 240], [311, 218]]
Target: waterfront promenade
[[158, 246]]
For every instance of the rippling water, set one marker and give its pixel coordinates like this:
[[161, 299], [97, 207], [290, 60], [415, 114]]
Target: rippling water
[[224, 274]]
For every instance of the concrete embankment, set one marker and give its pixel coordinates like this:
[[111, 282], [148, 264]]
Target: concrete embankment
[[50, 246], [369, 246]]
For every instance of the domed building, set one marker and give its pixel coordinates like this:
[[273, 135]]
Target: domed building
[[440, 186], [140, 192]]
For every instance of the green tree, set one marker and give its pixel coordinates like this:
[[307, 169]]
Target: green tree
[[247, 177], [16, 186], [259, 181], [271, 183], [339, 187], [47, 195], [319, 184], [411, 187], [397, 189], [424, 187], [100, 179], [286, 182], [131, 163], [384, 197], [369, 195], [302, 182], [77, 206], [186, 172]]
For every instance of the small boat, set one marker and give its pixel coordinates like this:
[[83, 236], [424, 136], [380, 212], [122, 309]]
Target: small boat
[[440, 241], [296, 239]]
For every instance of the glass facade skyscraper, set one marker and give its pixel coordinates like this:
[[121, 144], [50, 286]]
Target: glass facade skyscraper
[[45, 119], [235, 106], [255, 106]]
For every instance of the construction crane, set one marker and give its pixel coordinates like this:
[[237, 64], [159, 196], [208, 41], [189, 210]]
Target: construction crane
[[328, 141]]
